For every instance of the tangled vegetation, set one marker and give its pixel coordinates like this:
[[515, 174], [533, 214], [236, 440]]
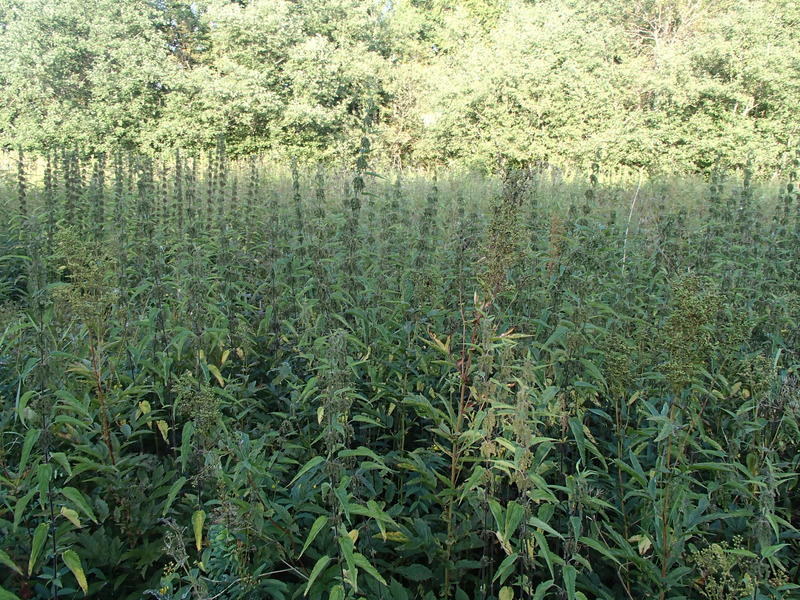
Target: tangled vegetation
[[228, 379]]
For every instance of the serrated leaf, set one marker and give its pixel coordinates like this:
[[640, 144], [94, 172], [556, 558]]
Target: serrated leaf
[[73, 562], [570, 574], [39, 539]]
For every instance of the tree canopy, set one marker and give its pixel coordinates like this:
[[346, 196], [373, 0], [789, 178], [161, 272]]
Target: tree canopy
[[670, 85]]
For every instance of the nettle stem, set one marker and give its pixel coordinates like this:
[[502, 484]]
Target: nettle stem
[[101, 398]]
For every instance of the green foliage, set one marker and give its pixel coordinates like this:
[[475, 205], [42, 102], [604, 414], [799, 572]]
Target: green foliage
[[346, 385], [668, 85]]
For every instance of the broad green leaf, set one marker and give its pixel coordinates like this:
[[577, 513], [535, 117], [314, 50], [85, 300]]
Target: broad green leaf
[[337, 593], [39, 539], [570, 574], [506, 593], [541, 590], [73, 562]]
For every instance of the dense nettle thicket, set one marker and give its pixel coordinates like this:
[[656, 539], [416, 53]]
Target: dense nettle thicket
[[669, 85], [228, 379]]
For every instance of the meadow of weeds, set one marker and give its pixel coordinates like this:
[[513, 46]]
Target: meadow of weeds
[[234, 379]]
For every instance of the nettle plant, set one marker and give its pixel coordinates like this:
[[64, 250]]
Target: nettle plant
[[228, 378]]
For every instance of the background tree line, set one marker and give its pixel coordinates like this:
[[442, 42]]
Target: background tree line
[[669, 85]]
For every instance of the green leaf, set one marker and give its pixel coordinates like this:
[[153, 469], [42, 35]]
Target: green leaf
[[506, 593], [504, 570], [39, 539], [186, 444], [74, 496], [346, 547], [198, 518], [415, 572], [5, 559], [319, 566], [307, 467], [541, 590], [6, 595], [599, 547], [30, 439], [19, 507], [316, 527], [44, 473], [61, 459], [569, 581], [514, 515], [73, 562], [534, 522], [337, 593], [362, 562], [173, 492]]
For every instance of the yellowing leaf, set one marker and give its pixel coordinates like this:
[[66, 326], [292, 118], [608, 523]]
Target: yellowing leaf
[[164, 429], [353, 535], [71, 516], [198, 518], [215, 372], [506, 593], [144, 407], [393, 536], [73, 562], [225, 356]]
